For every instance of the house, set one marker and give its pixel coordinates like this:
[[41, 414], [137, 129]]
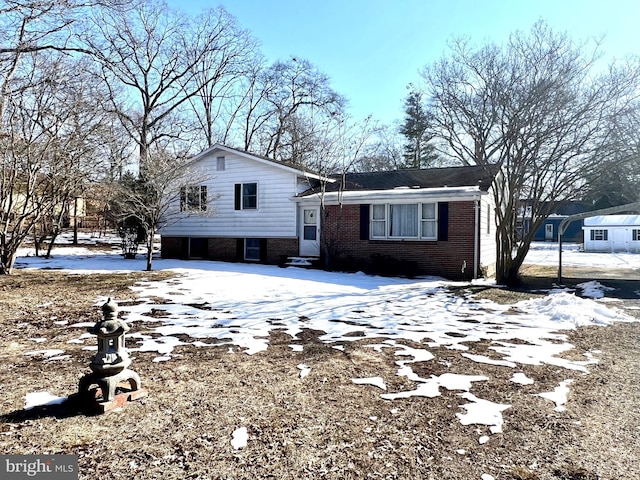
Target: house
[[413, 222], [612, 233], [243, 209], [548, 231]]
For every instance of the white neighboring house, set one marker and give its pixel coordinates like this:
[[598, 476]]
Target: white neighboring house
[[612, 233]]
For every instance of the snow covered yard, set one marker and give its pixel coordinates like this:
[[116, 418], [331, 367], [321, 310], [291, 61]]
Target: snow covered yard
[[380, 377]]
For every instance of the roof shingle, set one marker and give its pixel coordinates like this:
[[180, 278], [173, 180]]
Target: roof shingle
[[466, 176]]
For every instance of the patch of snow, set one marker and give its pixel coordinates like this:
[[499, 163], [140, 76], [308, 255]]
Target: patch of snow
[[37, 399], [593, 289], [164, 358], [431, 387], [558, 396], [58, 357], [482, 412], [239, 438], [45, 353], [522, 379], [375, 381], [545, 253], [304, 370]]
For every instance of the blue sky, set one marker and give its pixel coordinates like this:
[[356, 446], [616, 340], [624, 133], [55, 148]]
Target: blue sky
[[371, 49]]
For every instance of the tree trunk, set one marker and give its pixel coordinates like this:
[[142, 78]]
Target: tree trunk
[[75, 220], [150, 237], [7, 260], [54, 235]]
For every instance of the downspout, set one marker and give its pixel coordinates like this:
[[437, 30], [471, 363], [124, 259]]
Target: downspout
[[476, 243]]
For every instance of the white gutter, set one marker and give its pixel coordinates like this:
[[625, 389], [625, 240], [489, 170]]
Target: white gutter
[[393, 195], [476, 239]]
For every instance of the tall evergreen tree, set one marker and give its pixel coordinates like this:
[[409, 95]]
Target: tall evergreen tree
[[418, 151]]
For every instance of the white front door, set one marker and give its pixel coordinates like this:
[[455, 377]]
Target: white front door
[[548, 231], [310, 232]]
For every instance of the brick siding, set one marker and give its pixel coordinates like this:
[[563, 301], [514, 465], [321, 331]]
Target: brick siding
[[225, 249], [341, 230]]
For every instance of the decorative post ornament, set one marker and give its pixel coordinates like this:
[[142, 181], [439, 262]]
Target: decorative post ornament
[[114, 383]]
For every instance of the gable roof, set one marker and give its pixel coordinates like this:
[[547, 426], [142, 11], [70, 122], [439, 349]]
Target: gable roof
[[467, 176], [302, 171]]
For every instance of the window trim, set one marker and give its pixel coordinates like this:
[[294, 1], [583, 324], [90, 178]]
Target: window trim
[[188, 194], [420, 221]]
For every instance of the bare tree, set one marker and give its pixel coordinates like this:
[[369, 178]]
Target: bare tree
[[383, 150], [229, 55], [338, 147], [252, 114], [48, 149], [535, 110], [142, 206], [614, 182], [302, 103], [142, 56]]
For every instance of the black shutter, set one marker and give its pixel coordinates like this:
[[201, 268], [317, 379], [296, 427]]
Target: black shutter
[[364, 222], [203, 198], [593, 235], [184, 247], [263, 249], [239, 249], [237, 196], [443, 221]]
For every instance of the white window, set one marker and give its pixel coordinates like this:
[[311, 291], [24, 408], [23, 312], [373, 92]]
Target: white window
[[220, 164], [193, 198], [310, 224], [378, 221], [429, 221], [599, 235], [635, 234], [404, 221], [246, 196], [252, 249]]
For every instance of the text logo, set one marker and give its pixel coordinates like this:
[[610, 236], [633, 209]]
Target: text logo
[[39, 467]]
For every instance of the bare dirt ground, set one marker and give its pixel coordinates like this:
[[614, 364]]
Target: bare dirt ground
[[322, 426]]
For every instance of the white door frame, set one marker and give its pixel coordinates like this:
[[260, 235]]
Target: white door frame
[[309, 233]]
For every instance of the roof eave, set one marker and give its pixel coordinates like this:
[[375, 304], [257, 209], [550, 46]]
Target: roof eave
[[394, 195]]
